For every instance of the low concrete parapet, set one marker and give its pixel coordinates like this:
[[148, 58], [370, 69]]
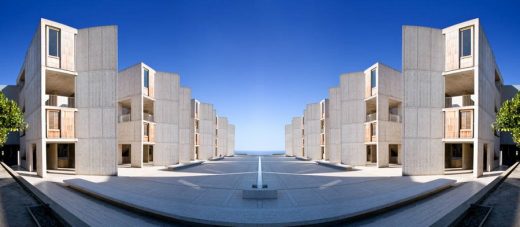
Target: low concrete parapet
[[302, 158], [184, 165], [334, 165]]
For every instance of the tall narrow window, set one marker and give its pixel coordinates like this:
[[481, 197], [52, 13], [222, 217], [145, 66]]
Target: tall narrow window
[[373, 78], [54, 42], [465, 42], [146, 78]]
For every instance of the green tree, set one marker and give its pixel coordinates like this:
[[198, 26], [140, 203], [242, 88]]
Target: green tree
[[11, 118], [508, 118]]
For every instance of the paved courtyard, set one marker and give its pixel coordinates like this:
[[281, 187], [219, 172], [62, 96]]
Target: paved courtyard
[[212, 192]]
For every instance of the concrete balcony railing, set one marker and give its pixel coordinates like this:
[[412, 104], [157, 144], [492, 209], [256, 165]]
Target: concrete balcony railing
[[371, 117], [394, 118], [59, 101], [125, 118], [459, 101], [147, 117]]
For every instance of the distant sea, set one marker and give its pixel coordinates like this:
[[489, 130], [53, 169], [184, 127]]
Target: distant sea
[[259, 152]]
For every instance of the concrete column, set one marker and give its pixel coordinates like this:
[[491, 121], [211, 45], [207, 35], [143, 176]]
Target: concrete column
[[136, 155], [41, 159], [478, 159], [119, 154], [382, 154], [399, 154]]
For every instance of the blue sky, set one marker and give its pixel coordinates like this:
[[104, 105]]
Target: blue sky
[[259, 62]]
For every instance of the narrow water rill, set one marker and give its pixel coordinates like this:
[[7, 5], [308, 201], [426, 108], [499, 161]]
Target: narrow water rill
[[259, 190]]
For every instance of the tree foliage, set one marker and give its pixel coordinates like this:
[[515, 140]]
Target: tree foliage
[[11, 118], [508, 118]]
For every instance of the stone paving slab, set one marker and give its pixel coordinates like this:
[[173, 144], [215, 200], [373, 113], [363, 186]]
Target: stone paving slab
[[212, 192], [206, 213]]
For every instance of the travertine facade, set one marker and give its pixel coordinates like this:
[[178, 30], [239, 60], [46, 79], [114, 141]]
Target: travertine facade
[[83, 117]]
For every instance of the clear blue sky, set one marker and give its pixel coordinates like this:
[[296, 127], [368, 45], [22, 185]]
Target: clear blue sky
[[259, 62]]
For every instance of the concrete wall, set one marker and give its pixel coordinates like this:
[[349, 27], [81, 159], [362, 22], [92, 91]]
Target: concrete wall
[[166, 117], [186, 130], [333, 126], [297, 136], [312, 131], [222, 137], [95, 94], [288, 140], [488, 102], [351, 91], [423, 86], [231, 140], [207, 131], [31, 99]]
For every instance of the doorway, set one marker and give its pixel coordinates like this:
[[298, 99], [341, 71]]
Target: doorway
[[393, 156], [126, 153], [34, 168], [485, 159], [371, 154], [148, 154]]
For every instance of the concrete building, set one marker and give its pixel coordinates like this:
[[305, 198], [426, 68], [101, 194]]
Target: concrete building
[[434, 118], [359, 123], [451, 96], [149, 115], [85, 118], [67, 87], [383, 108]]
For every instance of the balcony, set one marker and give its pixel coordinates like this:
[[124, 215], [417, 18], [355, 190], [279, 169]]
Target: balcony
[[459, 101], [371, 117], [458, 124], [125, 118], [59, 101], [394, 118], [60, 124], [148, 117]]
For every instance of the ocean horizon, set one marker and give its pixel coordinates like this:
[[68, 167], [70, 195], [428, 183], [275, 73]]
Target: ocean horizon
[[274, 152]]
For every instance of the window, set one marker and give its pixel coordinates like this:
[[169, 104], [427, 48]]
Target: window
[[465, 42], [373, 78], [53, 119], [466, 119], [146, 78], [373, 129], [54, 42], [63, 151]]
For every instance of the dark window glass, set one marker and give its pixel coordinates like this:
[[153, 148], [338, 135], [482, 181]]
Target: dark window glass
[[465, 42], [54, 42], [373, 78], [146, 78]]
